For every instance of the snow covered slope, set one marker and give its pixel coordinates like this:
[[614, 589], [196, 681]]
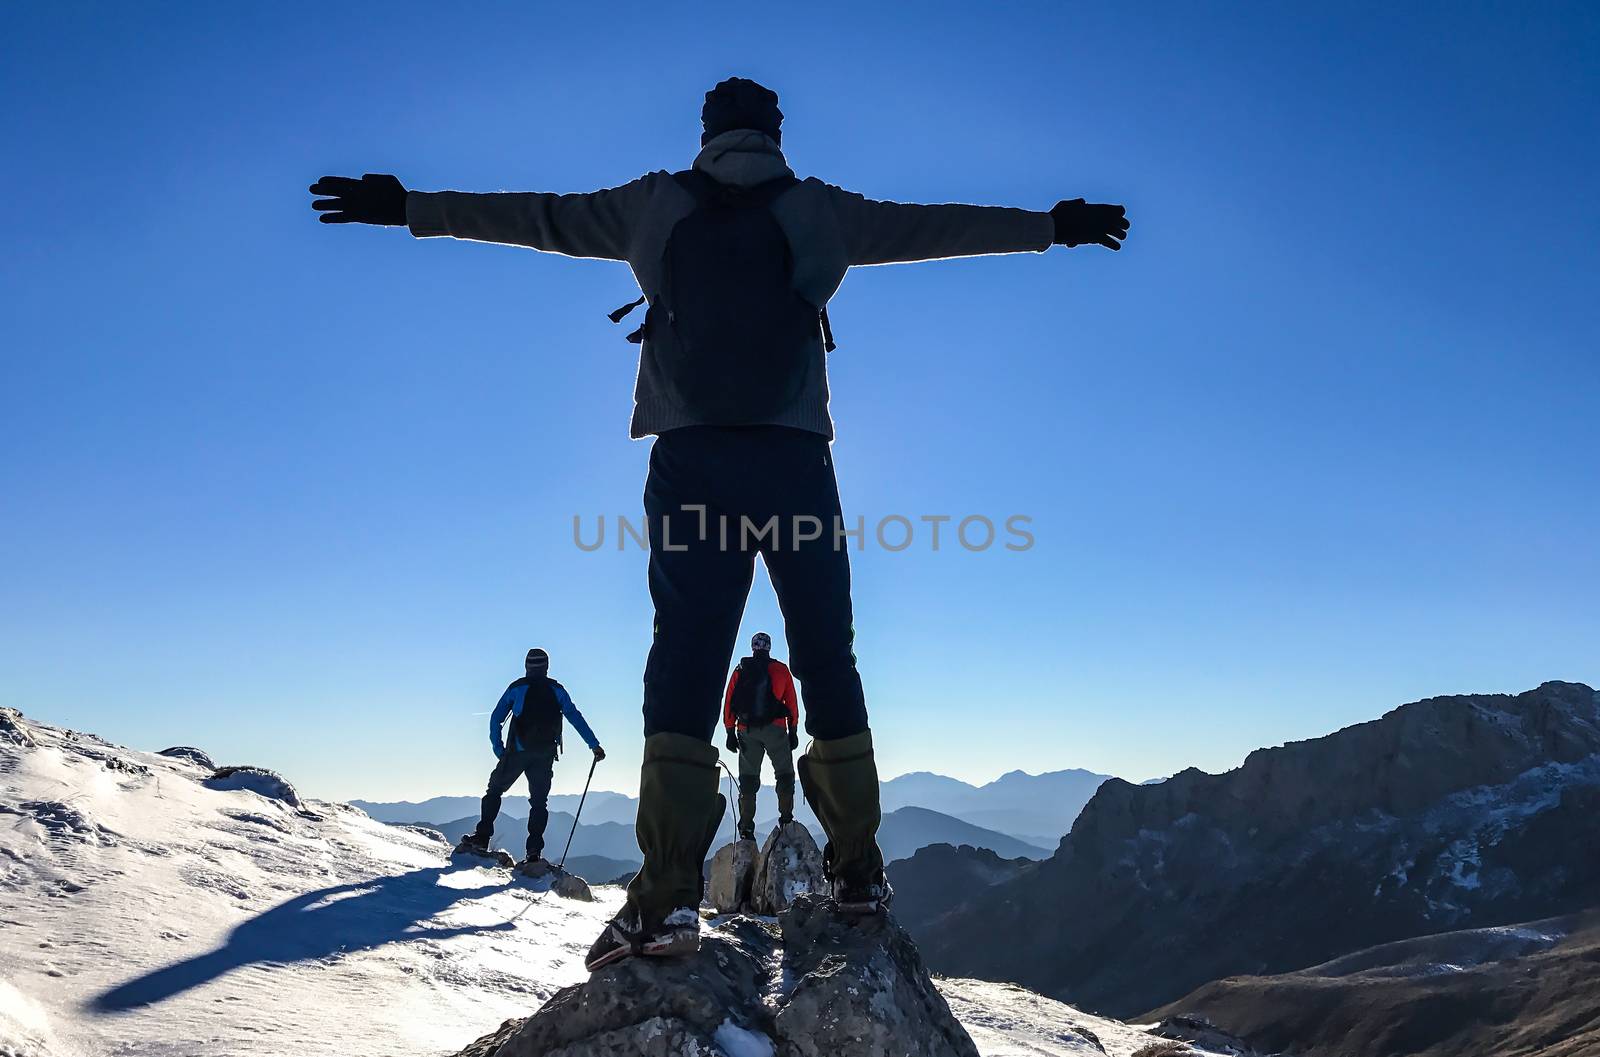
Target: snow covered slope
[[146, 908]]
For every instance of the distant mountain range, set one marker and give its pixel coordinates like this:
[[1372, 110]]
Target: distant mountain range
[[900, 835], [1016, 815], [601, 806], [1036, 809], [1448, 813]]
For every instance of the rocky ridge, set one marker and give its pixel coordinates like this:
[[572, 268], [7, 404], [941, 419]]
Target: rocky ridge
[[1446, 813]]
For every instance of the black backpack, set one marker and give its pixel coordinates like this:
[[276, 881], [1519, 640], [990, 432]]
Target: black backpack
[[741, 337], [539, 722], [754, 703]]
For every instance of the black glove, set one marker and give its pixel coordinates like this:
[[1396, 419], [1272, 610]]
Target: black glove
[[376, 198], [794, 738], [1079, 222], [733, 740], [599, 754]]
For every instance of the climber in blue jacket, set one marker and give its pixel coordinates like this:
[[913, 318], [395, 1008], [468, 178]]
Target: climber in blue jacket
[[535, 706]]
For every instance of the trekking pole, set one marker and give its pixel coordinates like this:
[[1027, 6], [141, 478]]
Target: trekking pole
[[577, 813]]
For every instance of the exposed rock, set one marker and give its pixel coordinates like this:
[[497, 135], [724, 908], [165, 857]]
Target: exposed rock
[[14, 730], [115, 762], [1087, 1035], [1443, 814], [422, 831], [818, 985], [571, 886], [670, 1006], [732, 877], [860, 988], [1164, 1048], [267, 783], [195, 756], [1203, 1034], [790, 866]]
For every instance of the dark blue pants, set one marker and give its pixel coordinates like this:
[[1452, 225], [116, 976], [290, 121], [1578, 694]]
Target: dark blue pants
[[699, 581], [537, 765]]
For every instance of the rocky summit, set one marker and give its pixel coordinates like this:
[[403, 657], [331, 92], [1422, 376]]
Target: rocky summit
[[816, 984]]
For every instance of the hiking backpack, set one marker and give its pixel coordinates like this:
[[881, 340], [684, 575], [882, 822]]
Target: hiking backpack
[[539, 722], [754, 702], [732, 338]]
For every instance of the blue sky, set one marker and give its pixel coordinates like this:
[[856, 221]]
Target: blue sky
[[1321, 440]]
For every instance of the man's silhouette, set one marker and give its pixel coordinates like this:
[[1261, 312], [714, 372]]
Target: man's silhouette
[[761, 716], [737, 259], [525, 734]]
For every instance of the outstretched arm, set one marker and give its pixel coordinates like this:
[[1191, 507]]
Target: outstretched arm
[[894, 232], [597, 224]]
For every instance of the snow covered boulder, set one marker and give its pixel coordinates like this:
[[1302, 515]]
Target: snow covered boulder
[[14, 731], [818, 985], [733, 870], [269, 784], [790, 866], [193, 755]]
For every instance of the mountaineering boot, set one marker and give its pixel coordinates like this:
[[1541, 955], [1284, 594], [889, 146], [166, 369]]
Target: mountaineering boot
[[624, 937], [535, 866], [477, 847], [749, 785], [840, 780], [679, 811], [785, 786]]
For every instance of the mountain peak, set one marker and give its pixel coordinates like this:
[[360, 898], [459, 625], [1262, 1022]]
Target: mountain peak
[[1442, 813]]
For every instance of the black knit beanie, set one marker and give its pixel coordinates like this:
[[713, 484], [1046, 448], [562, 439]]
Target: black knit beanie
[[538, 661], [739, 103]]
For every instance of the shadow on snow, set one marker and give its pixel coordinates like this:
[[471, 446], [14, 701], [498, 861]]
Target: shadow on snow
[[321, 924]]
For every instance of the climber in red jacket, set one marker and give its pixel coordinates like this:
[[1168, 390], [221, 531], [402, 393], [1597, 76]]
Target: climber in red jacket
[[762, 717]]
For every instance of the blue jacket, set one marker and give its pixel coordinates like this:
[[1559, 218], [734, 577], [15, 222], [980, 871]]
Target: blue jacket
[[511, 706]]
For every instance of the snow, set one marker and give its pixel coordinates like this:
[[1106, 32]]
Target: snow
[[256, 780], [1005, 1020], [24, 1027], [735, 1041], [145, 912]]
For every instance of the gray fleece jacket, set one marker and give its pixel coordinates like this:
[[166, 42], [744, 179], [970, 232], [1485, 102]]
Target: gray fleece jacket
[[829, 230]]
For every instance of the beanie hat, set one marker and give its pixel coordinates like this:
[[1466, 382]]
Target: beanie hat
[[740, 103], [761, 642], [538, 660]]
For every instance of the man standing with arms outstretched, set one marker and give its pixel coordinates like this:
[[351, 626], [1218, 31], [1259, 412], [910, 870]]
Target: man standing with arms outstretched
[[737, 258], [762, 718]]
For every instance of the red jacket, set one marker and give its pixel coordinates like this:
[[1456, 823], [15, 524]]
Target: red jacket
[[782, 689]]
